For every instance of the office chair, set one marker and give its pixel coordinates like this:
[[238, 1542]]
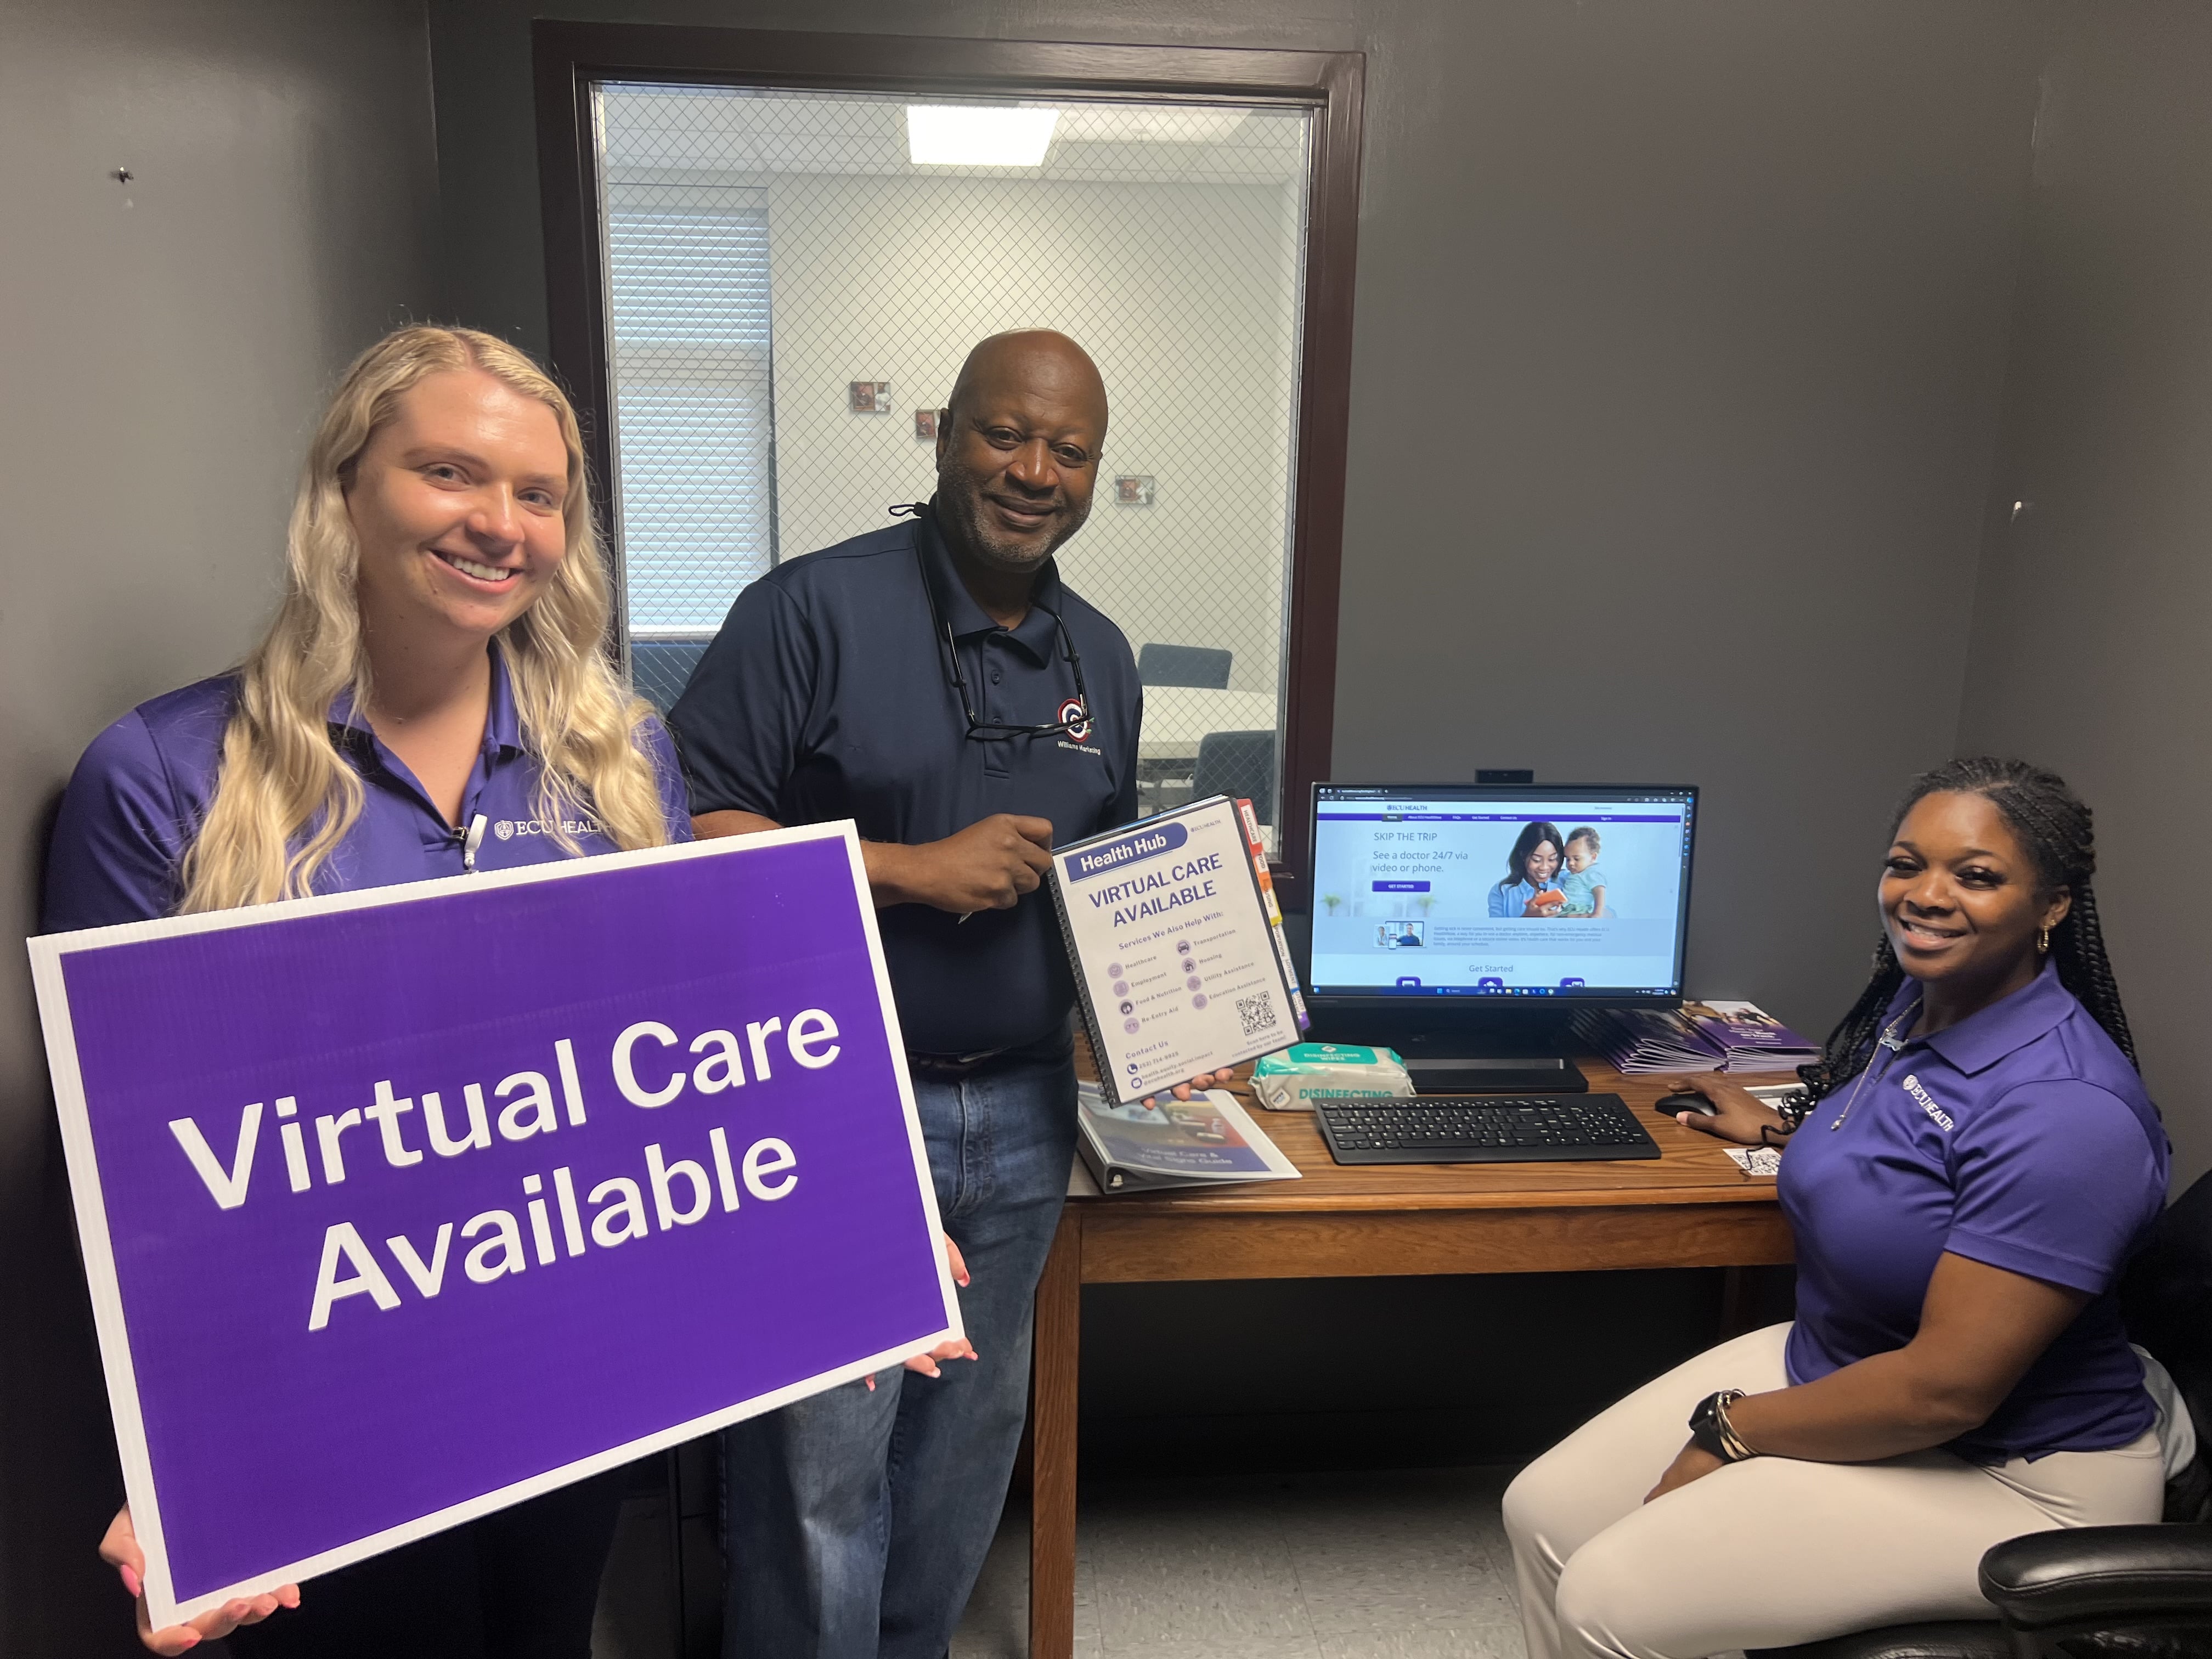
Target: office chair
[[2141, 1592], [1237, 764], [660, 669], [1184, 664]]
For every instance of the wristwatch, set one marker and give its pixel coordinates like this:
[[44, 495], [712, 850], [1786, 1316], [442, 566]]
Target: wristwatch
[[1710, 1429]]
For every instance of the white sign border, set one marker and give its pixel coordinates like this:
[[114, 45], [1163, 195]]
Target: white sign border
[[47, 952]]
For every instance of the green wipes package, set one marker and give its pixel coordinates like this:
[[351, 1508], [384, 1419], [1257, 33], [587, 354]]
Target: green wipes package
[[1291, 1079]]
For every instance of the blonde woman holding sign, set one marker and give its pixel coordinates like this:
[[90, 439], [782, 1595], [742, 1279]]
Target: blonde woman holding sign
[[432, 698]]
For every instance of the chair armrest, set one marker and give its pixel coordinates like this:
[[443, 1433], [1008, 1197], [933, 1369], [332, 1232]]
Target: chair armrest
[[2075, 1573]]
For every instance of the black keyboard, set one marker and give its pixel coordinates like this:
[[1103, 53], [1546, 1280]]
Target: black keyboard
[[1482, 1129]]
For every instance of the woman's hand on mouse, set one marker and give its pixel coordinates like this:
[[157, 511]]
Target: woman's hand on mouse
[[1738, 1116]]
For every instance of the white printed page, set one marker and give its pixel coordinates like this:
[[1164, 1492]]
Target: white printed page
[[1173, 948], [1419, 896]]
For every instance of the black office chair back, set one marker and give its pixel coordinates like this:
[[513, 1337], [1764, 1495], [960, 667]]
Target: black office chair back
[[1237, 764], [2167, 1300], [1184, 664]]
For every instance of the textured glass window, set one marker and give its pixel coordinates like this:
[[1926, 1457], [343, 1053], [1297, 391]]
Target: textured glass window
[[793, 281]]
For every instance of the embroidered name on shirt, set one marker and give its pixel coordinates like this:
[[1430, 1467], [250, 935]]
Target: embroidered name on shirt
[[1928, 1103]]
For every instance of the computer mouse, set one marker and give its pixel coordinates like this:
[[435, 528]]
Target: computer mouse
[[1687, 1100]]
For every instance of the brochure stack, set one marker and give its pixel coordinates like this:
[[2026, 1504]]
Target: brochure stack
[[1704, 1036]]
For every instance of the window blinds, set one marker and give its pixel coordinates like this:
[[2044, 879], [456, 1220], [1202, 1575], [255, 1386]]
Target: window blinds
[[694, 438]]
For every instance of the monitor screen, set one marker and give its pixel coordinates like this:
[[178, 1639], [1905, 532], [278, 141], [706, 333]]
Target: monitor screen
[[1459, 890]]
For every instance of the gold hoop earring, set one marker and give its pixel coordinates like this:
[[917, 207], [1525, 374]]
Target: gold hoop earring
[[2043, 943]]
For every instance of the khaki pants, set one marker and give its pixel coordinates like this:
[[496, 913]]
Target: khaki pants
[[1772, 1552]]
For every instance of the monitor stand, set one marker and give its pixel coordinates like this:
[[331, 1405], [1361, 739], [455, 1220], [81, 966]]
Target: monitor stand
[[1467, 1051], [1535, 1074]]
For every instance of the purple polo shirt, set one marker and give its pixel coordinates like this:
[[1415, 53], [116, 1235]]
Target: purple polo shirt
[[2020, 1137], [142, 787]]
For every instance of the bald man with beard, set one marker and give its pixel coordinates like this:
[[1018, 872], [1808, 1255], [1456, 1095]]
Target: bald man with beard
[[938, 683]]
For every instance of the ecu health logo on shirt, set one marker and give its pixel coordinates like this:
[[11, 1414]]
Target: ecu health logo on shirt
[[1926, 1103], [508, 829]]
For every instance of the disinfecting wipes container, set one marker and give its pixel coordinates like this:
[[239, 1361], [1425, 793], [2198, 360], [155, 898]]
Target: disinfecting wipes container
[[1293, 1078]]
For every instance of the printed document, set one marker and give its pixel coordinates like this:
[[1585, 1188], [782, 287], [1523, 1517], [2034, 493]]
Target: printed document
[[1176, 965]]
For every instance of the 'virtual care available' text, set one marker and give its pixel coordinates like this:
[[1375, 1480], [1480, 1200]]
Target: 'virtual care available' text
[[1191, 882], [652, 1066]]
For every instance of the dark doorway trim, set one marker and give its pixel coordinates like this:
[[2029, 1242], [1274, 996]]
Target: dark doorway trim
[[570, 56]]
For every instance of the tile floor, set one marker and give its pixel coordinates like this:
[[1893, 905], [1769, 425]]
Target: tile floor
[[1402, 1564]]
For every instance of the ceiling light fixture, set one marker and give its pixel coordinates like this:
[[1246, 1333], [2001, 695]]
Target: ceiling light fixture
[[974, 135]]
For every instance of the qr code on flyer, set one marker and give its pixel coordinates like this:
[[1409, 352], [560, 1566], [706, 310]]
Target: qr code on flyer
[[1256, 1014]]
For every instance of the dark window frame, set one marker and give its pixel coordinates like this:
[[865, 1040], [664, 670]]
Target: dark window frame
[[570, 56]]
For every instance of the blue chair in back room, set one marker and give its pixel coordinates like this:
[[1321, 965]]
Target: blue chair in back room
[[1184, 664], [2139, 1592]]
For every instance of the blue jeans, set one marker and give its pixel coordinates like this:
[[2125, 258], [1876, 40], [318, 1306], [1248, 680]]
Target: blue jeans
[[856, 1522]]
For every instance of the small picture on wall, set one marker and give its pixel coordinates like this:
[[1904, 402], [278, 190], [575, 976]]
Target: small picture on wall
[[1133, 490], [925, 423], [871, 397]]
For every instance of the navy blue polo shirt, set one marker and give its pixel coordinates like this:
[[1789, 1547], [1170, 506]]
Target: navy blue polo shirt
[[2020, 1137], [828, 695], [142, 788]]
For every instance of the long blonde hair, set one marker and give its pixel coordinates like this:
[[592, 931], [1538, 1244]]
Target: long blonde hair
[[286, 797]]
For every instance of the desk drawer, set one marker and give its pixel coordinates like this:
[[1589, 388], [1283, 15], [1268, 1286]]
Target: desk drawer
[[1154, 1245]]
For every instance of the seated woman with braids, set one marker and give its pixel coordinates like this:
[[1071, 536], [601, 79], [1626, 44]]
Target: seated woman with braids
[[1972, 1163]]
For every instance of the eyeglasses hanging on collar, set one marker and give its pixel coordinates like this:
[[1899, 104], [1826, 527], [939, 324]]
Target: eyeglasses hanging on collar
[[981, 730]]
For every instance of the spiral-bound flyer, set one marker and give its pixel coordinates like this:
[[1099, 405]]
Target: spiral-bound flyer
[[1178, 962]]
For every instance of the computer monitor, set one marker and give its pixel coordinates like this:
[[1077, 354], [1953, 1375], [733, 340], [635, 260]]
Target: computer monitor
[[1429, 894]]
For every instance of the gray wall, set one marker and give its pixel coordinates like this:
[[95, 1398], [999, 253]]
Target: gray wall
[[2090, 639], [165, 347], [1724, 288], [1684, 325]]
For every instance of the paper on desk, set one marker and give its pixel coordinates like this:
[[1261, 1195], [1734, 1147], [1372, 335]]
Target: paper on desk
[[1757, 1160]]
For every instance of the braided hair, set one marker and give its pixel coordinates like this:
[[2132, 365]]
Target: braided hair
[[2054, 826]]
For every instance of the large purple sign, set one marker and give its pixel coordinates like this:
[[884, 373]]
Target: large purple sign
[[400, 1207]]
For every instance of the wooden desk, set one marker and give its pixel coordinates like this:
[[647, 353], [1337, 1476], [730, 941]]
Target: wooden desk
[[1690, 1208]]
